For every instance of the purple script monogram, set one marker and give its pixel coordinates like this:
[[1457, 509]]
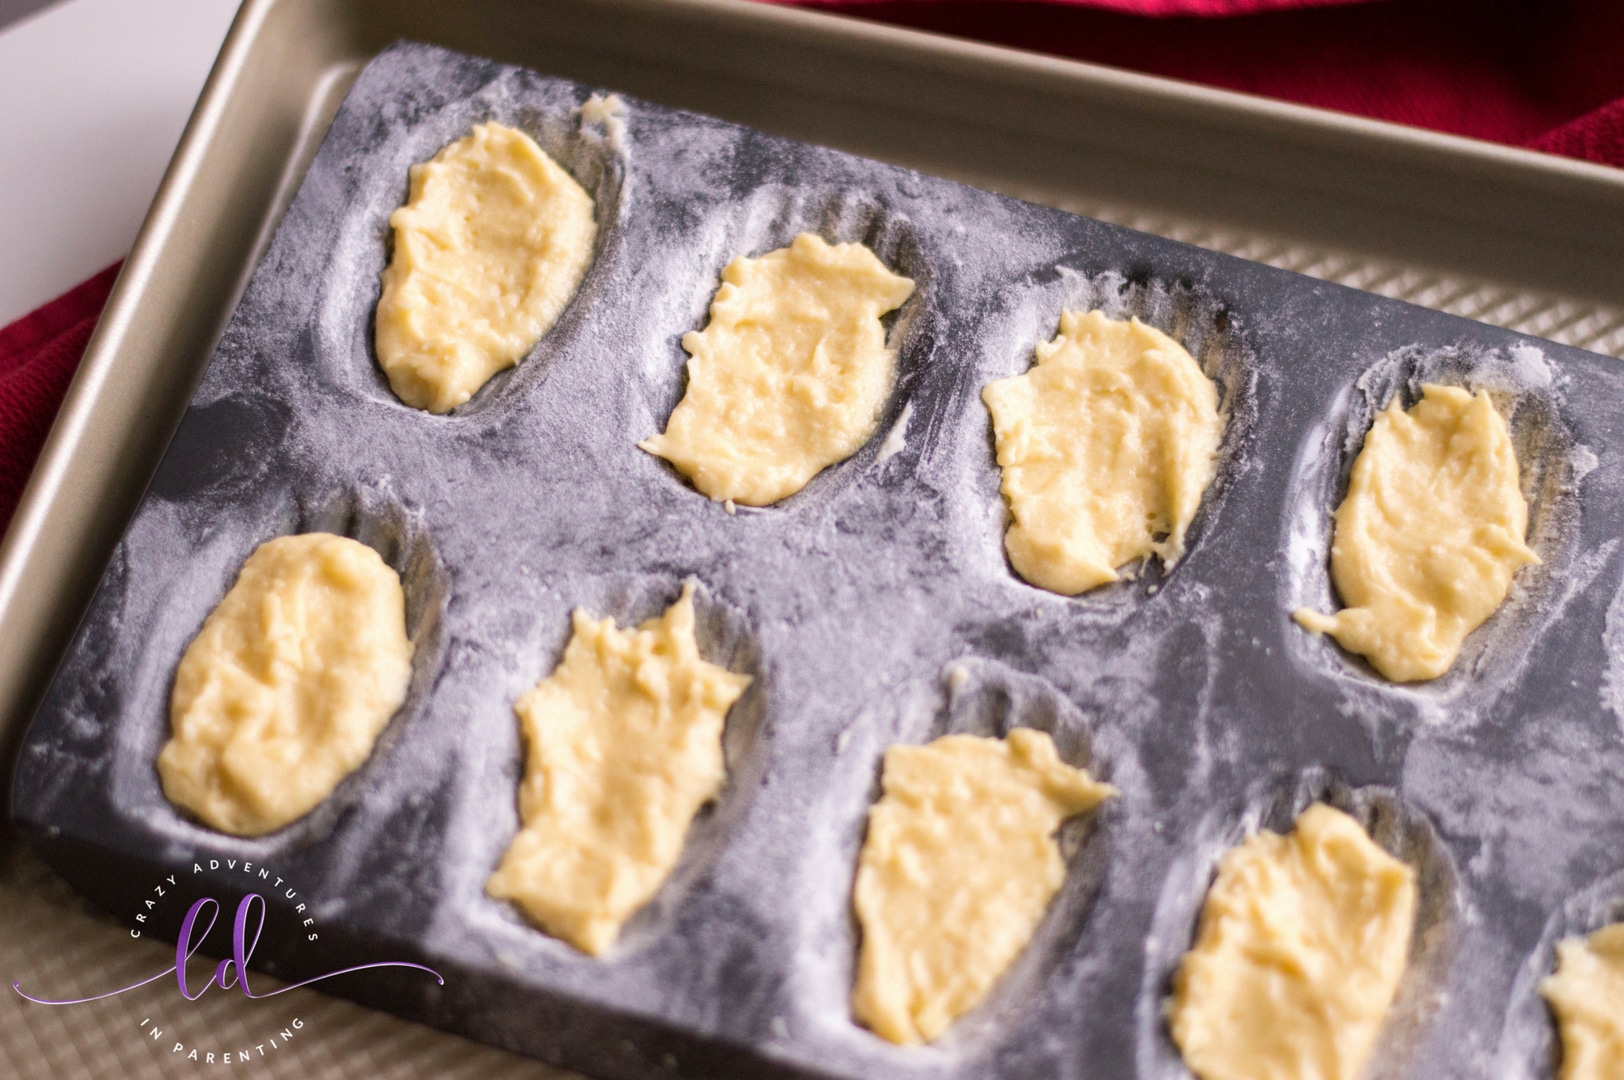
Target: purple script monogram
[[229, 973]]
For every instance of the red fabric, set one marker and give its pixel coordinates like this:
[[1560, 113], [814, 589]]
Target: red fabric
[[38, 356], [1156, 8], [1547, 74]]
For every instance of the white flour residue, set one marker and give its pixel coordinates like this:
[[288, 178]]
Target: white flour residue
[[1306, 540], [1582, 461], [898, 438], [1107, 292], [609, 112], [1612, 680], [1534, 840], [1526, 368]]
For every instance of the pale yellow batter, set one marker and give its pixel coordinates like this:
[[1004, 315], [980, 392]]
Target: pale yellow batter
[[791, 374], [958, 867], [489, 248], [1587, 996], [285, 689], [1432, 529], [1303, 940], [1107, 445], [624, 746]]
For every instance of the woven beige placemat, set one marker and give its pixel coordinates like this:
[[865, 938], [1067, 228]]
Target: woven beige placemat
[[57, 946]]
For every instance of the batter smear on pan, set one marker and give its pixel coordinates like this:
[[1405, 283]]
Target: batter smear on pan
[[1431, 532], [489, 248], [284, 691], [1302, 943], [1587, 996], [791, 374], [958, 867], [1107, 445], [624, 746]]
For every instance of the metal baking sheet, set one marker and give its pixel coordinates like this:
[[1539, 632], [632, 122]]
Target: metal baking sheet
[[873, 607]]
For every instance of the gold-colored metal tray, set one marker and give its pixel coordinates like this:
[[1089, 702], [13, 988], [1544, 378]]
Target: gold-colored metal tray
[[1529, 242]]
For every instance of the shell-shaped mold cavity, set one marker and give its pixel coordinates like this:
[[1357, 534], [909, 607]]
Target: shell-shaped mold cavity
[[767, 219], [1524, 389], [1208, 327], [648, 938], [1530, 1047], [400, 539], [971, 696], [344, 352], [1396, 827]]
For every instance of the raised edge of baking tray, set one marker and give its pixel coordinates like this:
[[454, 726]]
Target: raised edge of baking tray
[[1501, 235]]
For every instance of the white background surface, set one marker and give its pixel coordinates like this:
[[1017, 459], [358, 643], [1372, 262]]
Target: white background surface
[[93, 97]]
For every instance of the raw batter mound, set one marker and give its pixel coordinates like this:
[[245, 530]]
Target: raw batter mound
[[1587, 996], [285, 689], [958, 867], [624, 746], [489, 248], [1302, 943], [791, 374], [1432, 529], [1106, 445]]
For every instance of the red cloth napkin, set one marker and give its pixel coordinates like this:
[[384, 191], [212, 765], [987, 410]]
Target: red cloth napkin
[[38, 355], [1547, 74]]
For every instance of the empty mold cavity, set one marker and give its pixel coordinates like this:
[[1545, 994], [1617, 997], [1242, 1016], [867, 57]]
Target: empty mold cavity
[[1524, 389], [1530, 1045], [364, 242], [400, 539], [725, 638], [1397, 828], [979, 697], [1206, 326], [770, 218]]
